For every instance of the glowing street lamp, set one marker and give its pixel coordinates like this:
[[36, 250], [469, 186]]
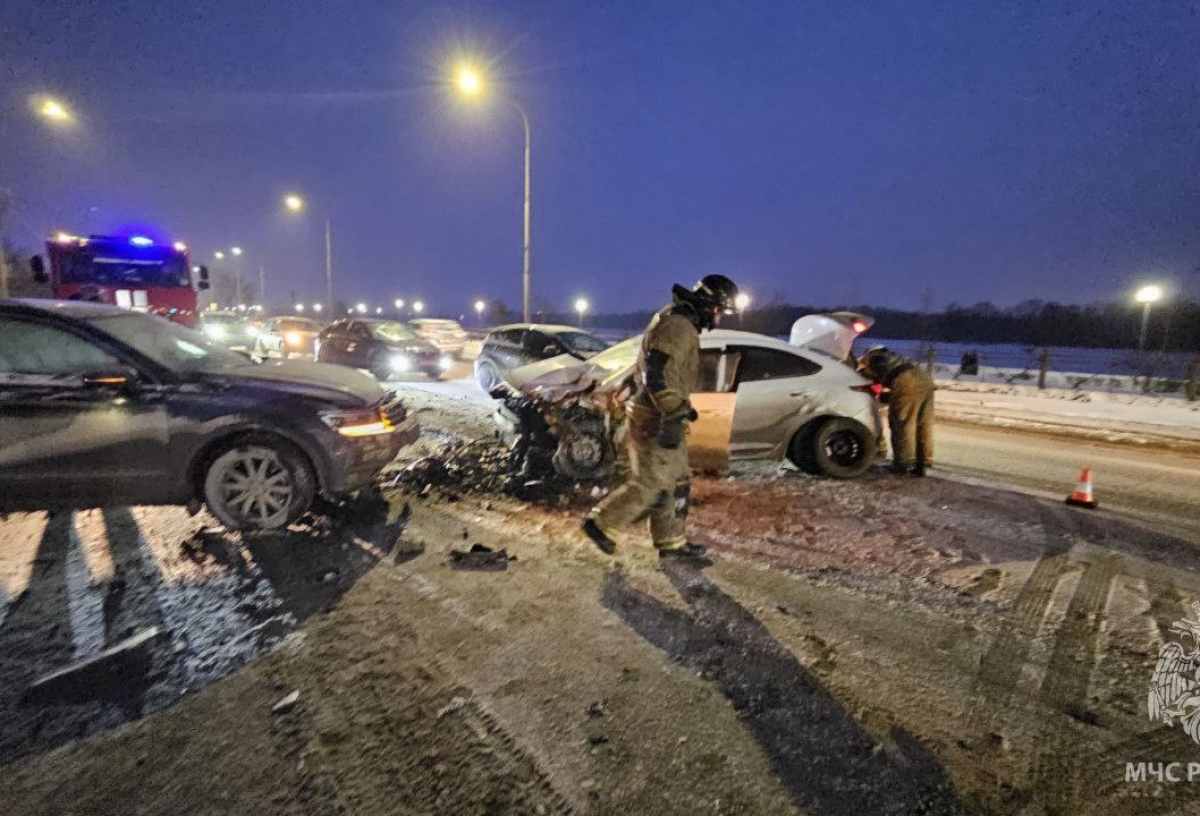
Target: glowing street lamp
[[479, 307], [742, 302], [468, 80], [293, 203], [362, 308], [236, 251], [581, 306], [220, 256], [1147, 295], [317, 308], [470, 84], [299, 308], [399, 304], [418, 306], [378, 310], [53, 110]]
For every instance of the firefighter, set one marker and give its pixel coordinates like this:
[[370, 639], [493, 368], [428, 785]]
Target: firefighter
[[659, 477], [910, 408]]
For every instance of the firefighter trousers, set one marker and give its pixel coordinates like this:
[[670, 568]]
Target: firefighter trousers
[[910, 419], [657, 489]]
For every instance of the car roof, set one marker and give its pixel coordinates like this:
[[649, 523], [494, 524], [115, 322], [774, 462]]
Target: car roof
[[548, 328], [433, 320], [727, 337], [81, 309]]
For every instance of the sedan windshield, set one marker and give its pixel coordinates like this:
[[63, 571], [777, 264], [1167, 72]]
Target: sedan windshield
[[581, 344], [169, 344], [391, 332]]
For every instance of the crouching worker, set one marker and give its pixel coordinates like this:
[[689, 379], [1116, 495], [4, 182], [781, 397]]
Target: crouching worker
[[659, 477], [910, 408]]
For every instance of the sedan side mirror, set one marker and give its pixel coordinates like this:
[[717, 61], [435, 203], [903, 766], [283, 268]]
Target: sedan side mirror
[[38, 267]]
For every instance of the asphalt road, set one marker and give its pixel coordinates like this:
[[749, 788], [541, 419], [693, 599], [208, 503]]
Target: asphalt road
[[1153, 485]]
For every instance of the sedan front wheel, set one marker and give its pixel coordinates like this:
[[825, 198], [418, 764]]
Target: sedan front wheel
[[259, 486]]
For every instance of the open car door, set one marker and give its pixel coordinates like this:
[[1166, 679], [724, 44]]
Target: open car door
[[714, 401]]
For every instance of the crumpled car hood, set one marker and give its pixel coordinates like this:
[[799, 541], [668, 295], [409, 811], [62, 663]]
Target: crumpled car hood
[[565, 375]]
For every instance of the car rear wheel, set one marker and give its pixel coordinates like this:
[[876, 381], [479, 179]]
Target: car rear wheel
[[838, 447], [487, 375], [259, 486]]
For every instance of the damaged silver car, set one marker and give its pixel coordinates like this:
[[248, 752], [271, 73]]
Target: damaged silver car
[[759, 398]]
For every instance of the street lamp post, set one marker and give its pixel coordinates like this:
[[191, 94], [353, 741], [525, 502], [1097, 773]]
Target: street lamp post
[[479, 307], [1148, 296], [581, 306], [294, 203], [470, 84]]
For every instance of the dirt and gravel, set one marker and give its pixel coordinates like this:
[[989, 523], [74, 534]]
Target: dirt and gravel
[[872, 647]]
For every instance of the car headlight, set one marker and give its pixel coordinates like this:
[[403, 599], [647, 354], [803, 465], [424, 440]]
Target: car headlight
[[214, 331], [370, 422], [400, 362], [445, 363], [293, 339]]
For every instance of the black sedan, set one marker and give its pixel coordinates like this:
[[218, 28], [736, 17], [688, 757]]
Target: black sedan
[[100, 406], [386, 348]]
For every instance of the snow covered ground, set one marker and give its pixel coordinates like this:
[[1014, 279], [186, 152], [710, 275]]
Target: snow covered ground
[[1116, 417]]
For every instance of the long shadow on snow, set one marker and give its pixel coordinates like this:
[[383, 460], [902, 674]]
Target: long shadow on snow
[[824, 758]]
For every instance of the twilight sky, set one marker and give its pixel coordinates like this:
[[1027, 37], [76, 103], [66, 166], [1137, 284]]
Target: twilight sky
[[828, 152]]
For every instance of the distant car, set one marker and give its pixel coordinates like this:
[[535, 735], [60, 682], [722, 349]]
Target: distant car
[[509, 347], [383, 347], [447, 335], [229, 329], [786, 401], [101, 406], [286, 337]]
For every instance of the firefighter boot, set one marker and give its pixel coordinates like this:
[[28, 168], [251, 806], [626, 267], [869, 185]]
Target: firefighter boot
[[599, 536]]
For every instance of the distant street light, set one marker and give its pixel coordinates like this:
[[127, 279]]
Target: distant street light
[[220, 256], [741, 303], [294, 203], [53, 111], [378, 310], [418, 306], [470, 82], [399, 304], [479, 307], [317, 308], [236, 250], [362, 308], [299, 308], [581, 306], [1147, 295]]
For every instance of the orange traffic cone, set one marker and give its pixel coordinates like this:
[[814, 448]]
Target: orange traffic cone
[[1083, 497]]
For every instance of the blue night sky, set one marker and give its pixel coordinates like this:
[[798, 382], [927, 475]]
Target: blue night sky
[[827, 152]]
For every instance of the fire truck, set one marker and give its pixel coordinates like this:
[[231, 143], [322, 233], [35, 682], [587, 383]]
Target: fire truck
[[133, 272]]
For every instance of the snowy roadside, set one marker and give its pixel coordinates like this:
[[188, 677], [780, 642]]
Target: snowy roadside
[[1125, 418]]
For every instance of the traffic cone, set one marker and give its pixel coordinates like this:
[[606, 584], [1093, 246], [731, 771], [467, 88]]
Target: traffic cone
[[1083, 497]]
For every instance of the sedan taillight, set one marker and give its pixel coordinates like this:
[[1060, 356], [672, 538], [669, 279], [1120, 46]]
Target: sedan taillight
[[874, 389]]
